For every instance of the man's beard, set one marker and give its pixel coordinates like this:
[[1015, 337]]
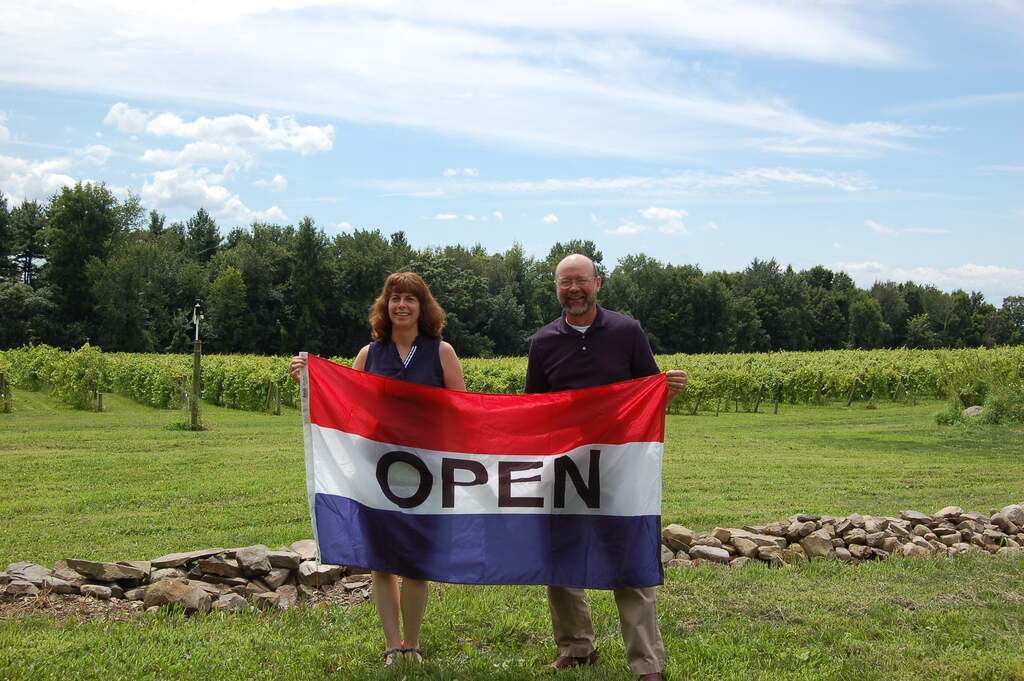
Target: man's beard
[[578, 307]]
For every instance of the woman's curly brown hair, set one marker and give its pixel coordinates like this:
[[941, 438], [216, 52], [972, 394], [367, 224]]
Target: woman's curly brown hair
[[431, 314]]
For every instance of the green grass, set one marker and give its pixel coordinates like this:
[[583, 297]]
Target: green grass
[[122, 485]]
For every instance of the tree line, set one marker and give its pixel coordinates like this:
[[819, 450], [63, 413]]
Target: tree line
[[89, 267]]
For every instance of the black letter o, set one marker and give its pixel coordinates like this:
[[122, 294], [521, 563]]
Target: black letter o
[[426, 479]]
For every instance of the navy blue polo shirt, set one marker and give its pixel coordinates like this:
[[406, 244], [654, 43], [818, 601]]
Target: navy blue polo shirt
[[613, 349]]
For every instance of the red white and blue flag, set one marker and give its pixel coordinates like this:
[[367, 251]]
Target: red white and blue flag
[[557, 488]]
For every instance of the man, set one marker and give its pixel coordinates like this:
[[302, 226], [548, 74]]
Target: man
[[585, 347]]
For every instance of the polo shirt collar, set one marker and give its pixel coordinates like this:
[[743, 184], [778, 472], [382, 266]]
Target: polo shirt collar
[[596, 324]]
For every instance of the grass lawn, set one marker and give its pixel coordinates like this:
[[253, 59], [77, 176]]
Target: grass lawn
[[122, 485]]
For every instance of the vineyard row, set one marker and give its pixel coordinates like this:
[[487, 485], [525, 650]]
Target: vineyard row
[[739, 381]]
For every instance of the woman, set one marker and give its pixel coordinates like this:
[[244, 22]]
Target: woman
[[406, 325]]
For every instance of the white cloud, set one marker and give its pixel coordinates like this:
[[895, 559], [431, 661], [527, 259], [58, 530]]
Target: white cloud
[[1003, 169], [97, 154], [226, 131], [925, 230], [344, 225], [498, 215], [671, 219], [277, 184], [446, 216], [192, 189], [22, 180], [550, 218], [963, 102], [711, 226], [836, 244], [627, 228], [5, 134], [602, 78], [690, 183], [126, 119], [969, 276], [878, 228], [468, 172], [195, 152], [470, 217]]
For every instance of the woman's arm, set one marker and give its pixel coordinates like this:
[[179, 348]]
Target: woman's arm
[[452, 369], [359, 363]]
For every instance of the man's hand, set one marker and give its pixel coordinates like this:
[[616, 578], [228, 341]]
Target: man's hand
[[676, 381]]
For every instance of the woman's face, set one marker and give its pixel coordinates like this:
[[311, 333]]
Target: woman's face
[[404, 310]]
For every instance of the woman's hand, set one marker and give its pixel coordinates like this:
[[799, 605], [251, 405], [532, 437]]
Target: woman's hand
[[298, 363]]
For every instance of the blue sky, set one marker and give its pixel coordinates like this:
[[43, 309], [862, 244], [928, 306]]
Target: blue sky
[[881, 138]]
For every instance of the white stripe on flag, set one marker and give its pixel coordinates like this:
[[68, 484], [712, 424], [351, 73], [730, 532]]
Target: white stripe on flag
[[630, 475]]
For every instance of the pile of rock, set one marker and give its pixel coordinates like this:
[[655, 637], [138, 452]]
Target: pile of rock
[[853, 538], [198, 581]]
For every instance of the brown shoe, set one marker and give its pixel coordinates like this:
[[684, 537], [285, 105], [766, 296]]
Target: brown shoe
[[567, 661]]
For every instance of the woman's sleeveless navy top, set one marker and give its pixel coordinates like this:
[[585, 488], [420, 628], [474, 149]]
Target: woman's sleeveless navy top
[[422, 365]]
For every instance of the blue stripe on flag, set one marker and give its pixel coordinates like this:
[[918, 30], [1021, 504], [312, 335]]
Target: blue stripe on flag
[[589, 551]]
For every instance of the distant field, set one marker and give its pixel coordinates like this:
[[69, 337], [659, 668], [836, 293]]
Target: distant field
[[122, 485]]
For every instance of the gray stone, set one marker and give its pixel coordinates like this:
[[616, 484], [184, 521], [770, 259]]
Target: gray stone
[[817, 546], [876, 539], [912, 550], [177, 559], [711, 554], [254, 560], [306, 548], [679, 563], [844, 554], [278, 576], [312, 573], [707, 540], [856, 536], [28, 572], [1014, 513], [915, 517], [761, 539], [722, 534], [872, 525], [136, 594], [213, 590], [222, 567], [949, 512], [143, 565], [196, 601], [284, 558], [860, 551], [231, 602], [746, 547], [4, 578], [97, 591], [677, 537], [1010, 552], [899, 530], [256, 587], [165, 591], [229, 581], [972, 411], [104, 572], [57, 585], [19, 588], [739, 562], [266, 601], [771, 554], [288, 596], [667, 554], [308, 593], [167, 573]]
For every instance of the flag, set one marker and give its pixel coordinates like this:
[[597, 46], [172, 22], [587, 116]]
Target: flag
[[558, 488]]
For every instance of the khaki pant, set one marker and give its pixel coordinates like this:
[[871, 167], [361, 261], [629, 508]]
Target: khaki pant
[[638, 617]]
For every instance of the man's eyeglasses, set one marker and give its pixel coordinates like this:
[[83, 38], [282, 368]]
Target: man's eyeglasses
[[580, 282]]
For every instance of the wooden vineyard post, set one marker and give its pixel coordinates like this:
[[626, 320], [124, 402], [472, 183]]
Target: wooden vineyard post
[[757, 402], [273, 398], [696, 404], [853, 390], [718, 406], [193, 397], [5, 394]]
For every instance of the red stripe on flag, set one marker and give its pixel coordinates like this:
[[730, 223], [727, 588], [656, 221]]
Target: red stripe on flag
[[410, 415]]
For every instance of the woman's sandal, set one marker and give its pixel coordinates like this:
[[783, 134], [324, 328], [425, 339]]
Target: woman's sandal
[[393, 656], [413, 654]]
